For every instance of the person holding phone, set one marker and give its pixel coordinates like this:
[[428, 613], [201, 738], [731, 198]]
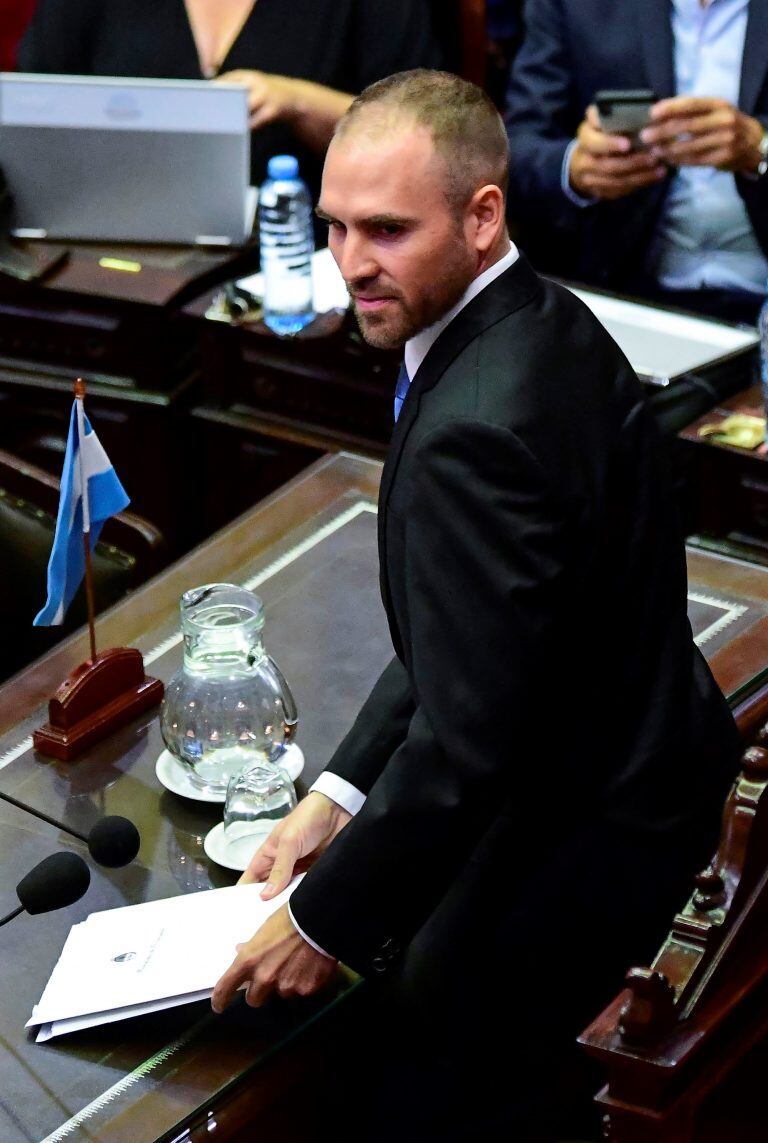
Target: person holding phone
[[677, 212]]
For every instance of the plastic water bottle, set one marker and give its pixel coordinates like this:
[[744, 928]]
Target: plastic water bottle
[[762, 329], [286, 239]]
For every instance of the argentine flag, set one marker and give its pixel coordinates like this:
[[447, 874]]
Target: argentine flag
[[85, 463]]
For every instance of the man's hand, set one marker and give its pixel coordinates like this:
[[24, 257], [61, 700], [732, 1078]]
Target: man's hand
[[296, 841], [276, 959], [605, 166], [270, 97], [693, 131]]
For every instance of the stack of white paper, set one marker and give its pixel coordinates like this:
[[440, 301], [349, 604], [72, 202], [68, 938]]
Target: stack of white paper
[[142, 958]]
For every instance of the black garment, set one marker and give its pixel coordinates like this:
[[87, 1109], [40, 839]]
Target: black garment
[[571, 49], [547, 722], [343, 44], [724, 305]]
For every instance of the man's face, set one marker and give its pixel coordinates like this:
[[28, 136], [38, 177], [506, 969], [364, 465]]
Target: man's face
[[403, 253]]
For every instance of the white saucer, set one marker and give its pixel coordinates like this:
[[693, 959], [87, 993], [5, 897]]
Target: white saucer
[[234, 856], [175, 777]]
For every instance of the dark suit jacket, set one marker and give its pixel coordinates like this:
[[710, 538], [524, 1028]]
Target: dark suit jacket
[[546, 688], [571, 49]]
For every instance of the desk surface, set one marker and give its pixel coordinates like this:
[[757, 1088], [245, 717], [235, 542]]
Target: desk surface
[[747, 401], [310, 552]]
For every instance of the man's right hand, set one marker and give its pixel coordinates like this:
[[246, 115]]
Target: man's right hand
[[605, 166], [296, 841]]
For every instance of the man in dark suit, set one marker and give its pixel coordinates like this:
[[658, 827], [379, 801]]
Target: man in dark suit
[[685, 218], [547, 754]]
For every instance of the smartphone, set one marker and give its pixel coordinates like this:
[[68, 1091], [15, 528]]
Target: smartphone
[[624, 112]]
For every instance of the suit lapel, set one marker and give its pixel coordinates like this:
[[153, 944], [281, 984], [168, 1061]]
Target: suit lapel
[[509, 292], [755, 62], [655, 20], [512, 289]]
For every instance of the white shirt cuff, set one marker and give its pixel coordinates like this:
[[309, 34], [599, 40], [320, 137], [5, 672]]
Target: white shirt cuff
[[565, 171], [344, 794], [340, 791], [309, 940]]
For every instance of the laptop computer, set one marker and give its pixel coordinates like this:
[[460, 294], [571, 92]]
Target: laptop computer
[[127, 160]]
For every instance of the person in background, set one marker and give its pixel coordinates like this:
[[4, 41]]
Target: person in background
[[301, 59], [684, 218], [14, 17]]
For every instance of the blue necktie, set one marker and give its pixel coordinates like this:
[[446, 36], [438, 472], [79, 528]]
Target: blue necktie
[[403, 381]]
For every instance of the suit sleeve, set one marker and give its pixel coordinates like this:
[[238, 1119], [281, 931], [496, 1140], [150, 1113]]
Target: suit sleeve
[[542, 114], [485, 547], [391, 36], [58, 40], [378, 730]]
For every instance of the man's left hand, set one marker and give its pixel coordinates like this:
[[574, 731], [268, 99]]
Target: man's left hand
[[695, 131], [276, 959]]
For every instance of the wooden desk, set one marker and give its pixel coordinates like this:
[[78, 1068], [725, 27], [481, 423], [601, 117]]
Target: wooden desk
[[323, 389], [727, 505], [123, 331], [728, 609], [313, 548]]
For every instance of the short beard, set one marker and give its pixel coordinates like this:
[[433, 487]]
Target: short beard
[[455, 277], [391, 336]]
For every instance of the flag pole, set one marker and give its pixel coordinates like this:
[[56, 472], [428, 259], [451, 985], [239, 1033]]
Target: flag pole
[[80, 396]]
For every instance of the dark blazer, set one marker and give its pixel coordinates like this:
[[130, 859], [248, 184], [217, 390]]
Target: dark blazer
[[344, 44], [571, 49], [546, 692]]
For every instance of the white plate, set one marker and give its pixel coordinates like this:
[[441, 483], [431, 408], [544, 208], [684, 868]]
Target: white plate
[[232, 856], [175, 777]]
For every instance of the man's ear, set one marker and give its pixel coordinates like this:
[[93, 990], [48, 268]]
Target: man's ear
[[486, 217]]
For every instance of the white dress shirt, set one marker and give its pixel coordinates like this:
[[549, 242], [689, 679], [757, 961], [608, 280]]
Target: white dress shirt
[[338, 789]]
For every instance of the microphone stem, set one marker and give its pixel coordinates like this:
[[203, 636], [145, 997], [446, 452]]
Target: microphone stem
[[10, 916], [42, 816]]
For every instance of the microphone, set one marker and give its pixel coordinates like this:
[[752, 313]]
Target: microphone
[[55, 882], [114, 841]]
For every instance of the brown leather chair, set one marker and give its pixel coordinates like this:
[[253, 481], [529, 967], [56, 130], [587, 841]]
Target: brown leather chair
[[129, 551]]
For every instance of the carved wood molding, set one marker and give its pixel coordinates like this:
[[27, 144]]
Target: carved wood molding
[[729, 898]]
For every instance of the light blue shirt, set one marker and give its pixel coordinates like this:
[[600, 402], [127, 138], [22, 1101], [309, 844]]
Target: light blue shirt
[[705, 237]]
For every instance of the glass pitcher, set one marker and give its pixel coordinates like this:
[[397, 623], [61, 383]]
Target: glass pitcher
[[229, 706]]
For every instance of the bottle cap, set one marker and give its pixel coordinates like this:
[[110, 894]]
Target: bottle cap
[[283, 167]]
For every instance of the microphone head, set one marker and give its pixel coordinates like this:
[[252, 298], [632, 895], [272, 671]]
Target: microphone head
[[114, 841], [56, 881]]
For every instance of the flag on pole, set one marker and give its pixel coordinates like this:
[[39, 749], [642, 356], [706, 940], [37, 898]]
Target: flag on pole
[[90, 494]]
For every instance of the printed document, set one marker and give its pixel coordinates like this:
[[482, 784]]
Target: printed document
[[141, 958]]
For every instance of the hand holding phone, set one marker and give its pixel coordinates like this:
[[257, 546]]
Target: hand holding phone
[[606, 165]]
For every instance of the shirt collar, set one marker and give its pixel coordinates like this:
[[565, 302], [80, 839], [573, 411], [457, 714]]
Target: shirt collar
[[419, 346]]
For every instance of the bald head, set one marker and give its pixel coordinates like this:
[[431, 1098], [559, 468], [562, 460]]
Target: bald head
[[466, 129]]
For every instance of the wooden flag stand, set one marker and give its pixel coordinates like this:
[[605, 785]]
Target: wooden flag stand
[[109, 689]]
